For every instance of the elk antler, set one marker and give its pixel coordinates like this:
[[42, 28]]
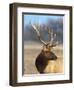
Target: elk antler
[[38, 33], [51, 34], [52, 37]]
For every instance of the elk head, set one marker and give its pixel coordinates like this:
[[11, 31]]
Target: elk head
[[46, 55], [49, 45]]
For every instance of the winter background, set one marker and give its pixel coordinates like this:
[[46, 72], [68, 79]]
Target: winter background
[[33, 46]]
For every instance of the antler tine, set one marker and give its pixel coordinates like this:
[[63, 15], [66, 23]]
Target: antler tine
[[53, 36], [51, 33], [55, 44], [38, 33]]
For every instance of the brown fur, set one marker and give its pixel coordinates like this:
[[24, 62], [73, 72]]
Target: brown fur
[[44, 59]]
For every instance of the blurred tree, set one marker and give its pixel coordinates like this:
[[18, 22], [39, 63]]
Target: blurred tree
[[55, 25]]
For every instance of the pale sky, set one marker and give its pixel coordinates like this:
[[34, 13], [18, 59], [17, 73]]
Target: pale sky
[[40, 19]]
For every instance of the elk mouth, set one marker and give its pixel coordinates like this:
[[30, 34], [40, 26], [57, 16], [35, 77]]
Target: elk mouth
[[50, 56]]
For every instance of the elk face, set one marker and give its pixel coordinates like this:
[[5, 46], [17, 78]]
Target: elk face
[[46, 55], [47, 48]]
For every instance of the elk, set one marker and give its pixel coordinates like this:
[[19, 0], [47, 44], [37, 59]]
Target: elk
[[46, 60]]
